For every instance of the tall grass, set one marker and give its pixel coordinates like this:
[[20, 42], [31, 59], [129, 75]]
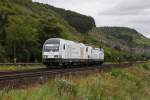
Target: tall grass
[[119, 84], [20, 67]]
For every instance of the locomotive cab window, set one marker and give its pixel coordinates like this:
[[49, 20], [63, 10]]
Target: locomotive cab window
[[51, 45], [49, 48], [64, 47], [87, 49]]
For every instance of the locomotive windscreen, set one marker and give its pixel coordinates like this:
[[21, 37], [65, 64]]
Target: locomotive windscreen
[[53, 41], [51, 45]]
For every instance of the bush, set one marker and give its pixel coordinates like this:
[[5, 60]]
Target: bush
[[65, 87], [146, 66], [116, 72]]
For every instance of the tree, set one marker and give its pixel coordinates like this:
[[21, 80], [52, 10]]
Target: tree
[[48, 28], [21, 38]]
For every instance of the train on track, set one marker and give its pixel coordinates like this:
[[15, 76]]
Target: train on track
[[61, 52]]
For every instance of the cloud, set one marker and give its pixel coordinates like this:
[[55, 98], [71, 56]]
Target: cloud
[[133, 4], [115, 11], [127, 13], [128, 7]]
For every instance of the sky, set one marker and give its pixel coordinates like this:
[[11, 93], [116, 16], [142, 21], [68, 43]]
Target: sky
[[127, 13]]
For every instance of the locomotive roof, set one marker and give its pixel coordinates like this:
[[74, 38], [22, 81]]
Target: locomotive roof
[[55, 39], [60, 39]]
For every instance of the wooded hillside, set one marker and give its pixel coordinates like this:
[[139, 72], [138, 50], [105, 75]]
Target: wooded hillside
[[24, 27]]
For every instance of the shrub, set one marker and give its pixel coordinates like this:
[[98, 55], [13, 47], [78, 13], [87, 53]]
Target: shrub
[[146, 66], [65, 87], [116, 72]]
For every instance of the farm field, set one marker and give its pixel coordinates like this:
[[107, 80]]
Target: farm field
[[119, 84]]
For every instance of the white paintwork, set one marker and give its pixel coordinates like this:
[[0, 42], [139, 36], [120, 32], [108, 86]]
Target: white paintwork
[[88, 52], [73, 50], [97, 54]]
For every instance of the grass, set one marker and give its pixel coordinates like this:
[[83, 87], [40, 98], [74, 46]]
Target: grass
[[120, 84], [20, 67]]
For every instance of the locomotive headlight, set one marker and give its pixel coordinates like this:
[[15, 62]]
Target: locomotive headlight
[[60, 56], [45, 56], [56, 56]]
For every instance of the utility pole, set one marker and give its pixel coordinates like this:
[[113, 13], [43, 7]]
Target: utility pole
[[131, 48], [101, 42], [15, 59]]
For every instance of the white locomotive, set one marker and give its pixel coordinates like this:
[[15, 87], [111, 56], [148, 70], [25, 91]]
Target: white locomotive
[[60, 52]]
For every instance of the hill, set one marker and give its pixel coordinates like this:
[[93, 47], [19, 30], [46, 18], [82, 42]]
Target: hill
[[122, 39], [81, 23], [24, 26]]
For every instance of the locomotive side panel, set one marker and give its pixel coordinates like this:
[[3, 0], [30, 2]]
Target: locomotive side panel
[[101, 55], [95, 53], [89, 52], [75, 51]]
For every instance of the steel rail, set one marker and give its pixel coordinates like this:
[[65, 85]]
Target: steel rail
[[45, 72]]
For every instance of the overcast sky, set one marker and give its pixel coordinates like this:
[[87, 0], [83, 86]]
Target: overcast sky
[[128, 13]]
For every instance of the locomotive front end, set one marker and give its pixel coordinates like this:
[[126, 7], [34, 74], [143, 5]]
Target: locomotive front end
[[51, 52]]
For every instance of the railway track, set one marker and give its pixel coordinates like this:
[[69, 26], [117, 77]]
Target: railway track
[[37, 73], [13, 75]]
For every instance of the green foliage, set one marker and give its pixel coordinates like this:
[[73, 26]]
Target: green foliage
[[80, 22], [125, 36], [121, 43], [20, 67], [2, 54], [25, 26], [116, 72], [124, 84], [66, 88], [146, 66]]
